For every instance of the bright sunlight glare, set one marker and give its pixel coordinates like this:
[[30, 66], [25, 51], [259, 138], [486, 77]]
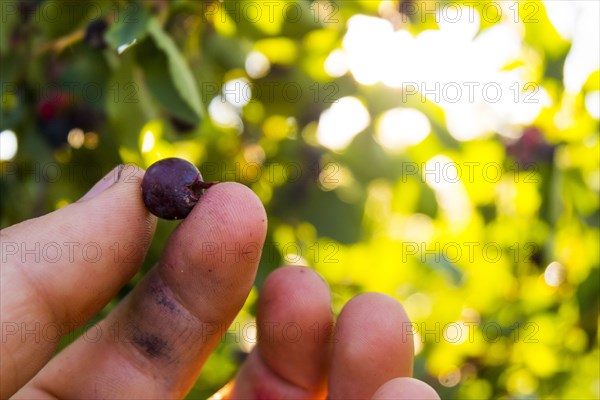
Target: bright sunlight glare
[[458, 67], [554, 274], [402, 127], [367, 44], [125, 46], [336, 64], [341, 122], [257, 65], [592, 103], [442, 175], [148, 142], [577, 21], [237, 92], [224, 114], [8, 145]]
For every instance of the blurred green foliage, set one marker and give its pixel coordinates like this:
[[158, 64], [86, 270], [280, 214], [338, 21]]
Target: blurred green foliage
[[508, 267]]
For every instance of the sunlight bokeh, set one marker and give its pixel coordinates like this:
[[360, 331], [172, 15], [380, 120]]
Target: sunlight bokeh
[[457, 67], [8, 145], [399, 128], [341, 122]]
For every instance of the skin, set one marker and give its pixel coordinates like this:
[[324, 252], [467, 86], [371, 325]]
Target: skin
[[155, 342]]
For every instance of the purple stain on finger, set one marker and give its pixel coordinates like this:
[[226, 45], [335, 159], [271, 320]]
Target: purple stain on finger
[[151, 345], [162, 298]]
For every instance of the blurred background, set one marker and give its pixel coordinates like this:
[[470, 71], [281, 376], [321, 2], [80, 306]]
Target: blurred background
[[444, 153]]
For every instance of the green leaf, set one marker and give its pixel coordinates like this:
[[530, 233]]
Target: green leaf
[[179, 71], [446, 268], [131, 25], [154, 64], [124, 104]]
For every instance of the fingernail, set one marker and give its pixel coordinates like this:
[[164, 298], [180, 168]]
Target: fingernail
[[107, 181]]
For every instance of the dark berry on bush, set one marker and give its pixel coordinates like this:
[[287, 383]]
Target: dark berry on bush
[[26, 8], [94, 34], [180, 125], [171, 188], [53, 119], [60, 112], [531, 149], [55, 131], [53, 105]]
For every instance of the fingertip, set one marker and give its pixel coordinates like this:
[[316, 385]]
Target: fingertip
[[228, 212], [370, 346], [117, 196], [378, 321], [118, 211], [235, 196], [216, 248], [294, 292], [377, 310], [294, 295], [294, 282], [405, 389], [123, 176], [103, 184], [295, 323], [295, 318]]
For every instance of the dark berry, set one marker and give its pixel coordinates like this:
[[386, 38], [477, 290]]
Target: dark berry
[[180, 125], [55, 131], [60, 112], [26, 9], [51, 106], [47, 110], [531, 149], [94, 34], [171, 188]]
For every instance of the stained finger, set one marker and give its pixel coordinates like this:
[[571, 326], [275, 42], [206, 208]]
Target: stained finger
[[155, 342]]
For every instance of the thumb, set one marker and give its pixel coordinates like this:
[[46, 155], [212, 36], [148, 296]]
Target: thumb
[[60, 269]]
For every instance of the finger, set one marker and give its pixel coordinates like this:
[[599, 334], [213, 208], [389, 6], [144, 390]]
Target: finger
[[294, 329], [61, 269], [369, 347], [405, 389], [155, 342]]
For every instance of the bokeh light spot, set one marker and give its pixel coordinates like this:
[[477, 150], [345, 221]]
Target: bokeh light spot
[[342, 122], [147, 142], [554, 274], [76, 138], [257, 65], [8, 145], [402, 127]]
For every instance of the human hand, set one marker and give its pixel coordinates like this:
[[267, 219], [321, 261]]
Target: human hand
[[61, 269]]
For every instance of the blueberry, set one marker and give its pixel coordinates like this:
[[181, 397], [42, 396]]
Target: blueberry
[[94, 34], [171, 188]]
